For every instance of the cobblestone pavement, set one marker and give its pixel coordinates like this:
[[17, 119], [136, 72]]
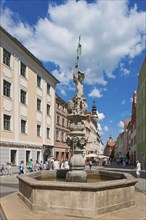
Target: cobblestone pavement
[[8, 184]]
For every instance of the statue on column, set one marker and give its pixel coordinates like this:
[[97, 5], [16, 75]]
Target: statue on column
[[77, 109], [78, 78], [78, 104]]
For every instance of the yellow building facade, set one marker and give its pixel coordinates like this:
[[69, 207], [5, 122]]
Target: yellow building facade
[[27, 104]]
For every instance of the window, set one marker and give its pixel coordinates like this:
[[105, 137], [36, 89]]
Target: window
[[23, 126], [58, 105], [48, 109], [23, 97], [38, 130], [7, 88], [27, 156], [7, 122], [6, 57], [63, 122], [23, 70], [58, 119], [62, 137], [38, 155], [48, 133], [48, 88], [38, 104], [57, 134], [39, 81], [64, 108]]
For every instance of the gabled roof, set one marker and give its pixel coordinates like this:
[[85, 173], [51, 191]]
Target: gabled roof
[[28, 53]]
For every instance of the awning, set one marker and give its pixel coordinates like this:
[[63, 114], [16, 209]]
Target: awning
[[91, 155]]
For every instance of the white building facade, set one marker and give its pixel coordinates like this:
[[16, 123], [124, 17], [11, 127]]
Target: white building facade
[[27, 104]]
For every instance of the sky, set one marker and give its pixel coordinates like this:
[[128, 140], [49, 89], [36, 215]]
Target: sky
[[113, 49]]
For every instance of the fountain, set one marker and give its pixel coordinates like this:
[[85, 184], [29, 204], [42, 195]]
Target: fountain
[[75, 196]]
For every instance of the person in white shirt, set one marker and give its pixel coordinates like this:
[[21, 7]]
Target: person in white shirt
[[138, 168], [66, 165], [56, 165]]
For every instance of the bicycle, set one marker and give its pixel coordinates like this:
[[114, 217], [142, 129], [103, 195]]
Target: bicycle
[[3, 170]]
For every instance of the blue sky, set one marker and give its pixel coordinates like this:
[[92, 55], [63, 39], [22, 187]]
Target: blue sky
[[113, 48]]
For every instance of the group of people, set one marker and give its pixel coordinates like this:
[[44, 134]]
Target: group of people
[[50, 164], [56, 164], [30, 166], [138, 167]]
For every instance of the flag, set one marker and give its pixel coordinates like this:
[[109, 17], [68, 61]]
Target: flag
[[79, 49]]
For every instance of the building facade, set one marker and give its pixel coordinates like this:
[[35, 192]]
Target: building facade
[[109, 148], [121, 147], [27, 104], [131, 150], [61, 149], [141, 116], [94, 143]]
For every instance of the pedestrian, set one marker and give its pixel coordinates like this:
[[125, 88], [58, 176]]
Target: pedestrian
[[90, 164], [62, 165], [21, 167], [138, 168], [66, 165], [56, 165], [31, 165], [48, 167], [36, 166], [41, 165]]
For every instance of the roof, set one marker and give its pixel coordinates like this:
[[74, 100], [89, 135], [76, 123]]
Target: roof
[[28, 53], [126, 122], [111, 143]]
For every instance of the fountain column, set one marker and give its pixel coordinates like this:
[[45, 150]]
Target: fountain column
[[76, 139]]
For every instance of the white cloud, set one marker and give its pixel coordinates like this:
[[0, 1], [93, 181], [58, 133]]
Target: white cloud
[[123, 70], [63, 92], [106, 128], [95, 93], [123, 102], [131, 99], [99, 127], [101, 116], [104, 44], [121, 126]]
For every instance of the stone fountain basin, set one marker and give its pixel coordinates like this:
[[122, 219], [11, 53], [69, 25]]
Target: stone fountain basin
[[77, 199]]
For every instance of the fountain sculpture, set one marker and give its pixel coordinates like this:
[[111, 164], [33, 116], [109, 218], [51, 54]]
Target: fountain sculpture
[[76, 123]]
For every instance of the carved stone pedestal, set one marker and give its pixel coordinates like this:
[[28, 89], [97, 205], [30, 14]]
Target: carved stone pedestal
[[76, 176], [77, 164]]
